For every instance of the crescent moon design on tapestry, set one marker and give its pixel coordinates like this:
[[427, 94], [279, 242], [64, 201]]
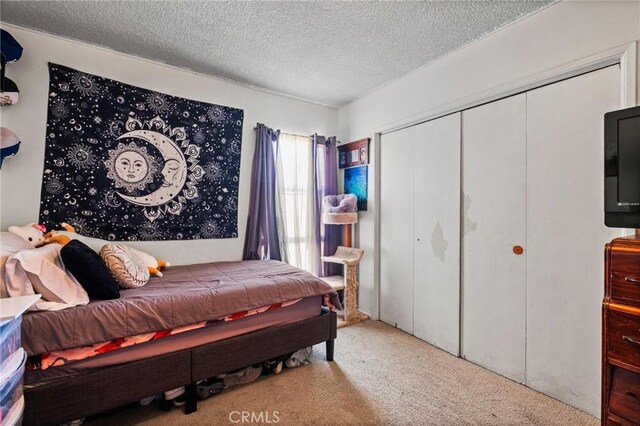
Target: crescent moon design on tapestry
[[174, 171]]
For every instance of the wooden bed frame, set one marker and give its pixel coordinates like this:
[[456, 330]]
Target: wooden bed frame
[[98, 390]]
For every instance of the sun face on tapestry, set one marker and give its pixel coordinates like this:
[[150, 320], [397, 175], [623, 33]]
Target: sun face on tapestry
[[125, 163]]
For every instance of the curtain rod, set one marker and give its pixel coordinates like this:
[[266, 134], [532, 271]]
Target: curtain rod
[[295, 134], [292, 134]]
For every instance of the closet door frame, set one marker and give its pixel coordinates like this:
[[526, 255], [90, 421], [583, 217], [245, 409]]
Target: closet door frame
[[625, 56]]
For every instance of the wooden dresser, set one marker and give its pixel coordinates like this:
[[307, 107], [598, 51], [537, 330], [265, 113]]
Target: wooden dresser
[[621, 333]]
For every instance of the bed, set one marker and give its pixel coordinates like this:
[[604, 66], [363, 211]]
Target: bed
[[184, 295]]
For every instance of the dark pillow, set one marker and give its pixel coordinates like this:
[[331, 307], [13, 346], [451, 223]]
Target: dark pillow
[[90, 271]]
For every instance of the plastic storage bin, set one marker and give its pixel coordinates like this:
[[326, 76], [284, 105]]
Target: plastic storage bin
[[11, 390], [14, 417], [10, 340]]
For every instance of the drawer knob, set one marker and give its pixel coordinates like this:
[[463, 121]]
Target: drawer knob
[[631, 340], [632, 280], [518, 250], [631, 394]]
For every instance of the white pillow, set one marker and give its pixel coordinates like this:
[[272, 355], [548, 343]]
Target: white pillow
[[93, 243], [42, 271], [10, 243]]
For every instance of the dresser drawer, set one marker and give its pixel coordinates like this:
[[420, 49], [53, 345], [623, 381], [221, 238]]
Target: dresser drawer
[[625, 287], [624, 398], [625, 260], [624, 337], [613, 422]]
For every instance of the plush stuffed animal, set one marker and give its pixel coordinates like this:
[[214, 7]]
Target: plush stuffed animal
[[153, 265], [54, 236], [63, 237], [33, 233]]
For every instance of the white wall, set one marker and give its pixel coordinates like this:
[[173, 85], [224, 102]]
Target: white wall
[[21, 176], [561, 34]]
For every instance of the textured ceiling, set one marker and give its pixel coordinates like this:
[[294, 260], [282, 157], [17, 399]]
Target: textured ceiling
[[323, 51]]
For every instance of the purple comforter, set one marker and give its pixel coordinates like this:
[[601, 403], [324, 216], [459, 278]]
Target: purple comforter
[[185, 295]]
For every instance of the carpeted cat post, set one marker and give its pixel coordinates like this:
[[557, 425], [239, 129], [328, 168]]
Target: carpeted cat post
[[343, 210]]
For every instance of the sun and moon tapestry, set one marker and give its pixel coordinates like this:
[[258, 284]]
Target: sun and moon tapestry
[[124, 163]]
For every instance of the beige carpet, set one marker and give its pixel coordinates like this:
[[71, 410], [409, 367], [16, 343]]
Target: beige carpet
[[381, 376]]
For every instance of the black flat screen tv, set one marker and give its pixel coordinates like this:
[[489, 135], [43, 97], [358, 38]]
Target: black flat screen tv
[[622, 168]]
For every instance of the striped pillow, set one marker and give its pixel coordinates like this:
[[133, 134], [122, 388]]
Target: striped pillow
[[123, 264]]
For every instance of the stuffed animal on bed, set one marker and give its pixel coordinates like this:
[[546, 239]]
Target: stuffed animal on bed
[[57, 236], [153, 265], [32, 233], [69, 233]]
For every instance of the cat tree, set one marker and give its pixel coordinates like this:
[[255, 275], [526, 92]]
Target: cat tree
[[341, 210]]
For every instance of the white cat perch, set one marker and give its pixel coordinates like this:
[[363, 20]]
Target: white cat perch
[[341, 210]]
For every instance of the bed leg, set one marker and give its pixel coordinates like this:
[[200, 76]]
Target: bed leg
[[330, 345], [191, 403]]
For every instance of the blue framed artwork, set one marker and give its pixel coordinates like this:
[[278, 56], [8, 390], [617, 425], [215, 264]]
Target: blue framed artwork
[[355, 182]]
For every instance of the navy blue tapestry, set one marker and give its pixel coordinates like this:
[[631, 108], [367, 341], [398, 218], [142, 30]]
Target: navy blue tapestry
[[125, 163]]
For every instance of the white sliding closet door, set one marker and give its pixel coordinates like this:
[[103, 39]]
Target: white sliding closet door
[[566, 235], [494, 221], [436, 257], [396, 229]]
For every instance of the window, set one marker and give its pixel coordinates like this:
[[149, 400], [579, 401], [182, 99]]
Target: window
[[295, 199]]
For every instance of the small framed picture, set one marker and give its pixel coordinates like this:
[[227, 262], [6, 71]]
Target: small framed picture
[[354, 153], [363, 155]]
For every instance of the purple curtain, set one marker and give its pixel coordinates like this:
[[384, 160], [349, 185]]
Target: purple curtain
[[327, 237], [261, 239]]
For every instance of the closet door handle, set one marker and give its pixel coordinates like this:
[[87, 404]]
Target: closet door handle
[[632, 280], [631, 340]]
